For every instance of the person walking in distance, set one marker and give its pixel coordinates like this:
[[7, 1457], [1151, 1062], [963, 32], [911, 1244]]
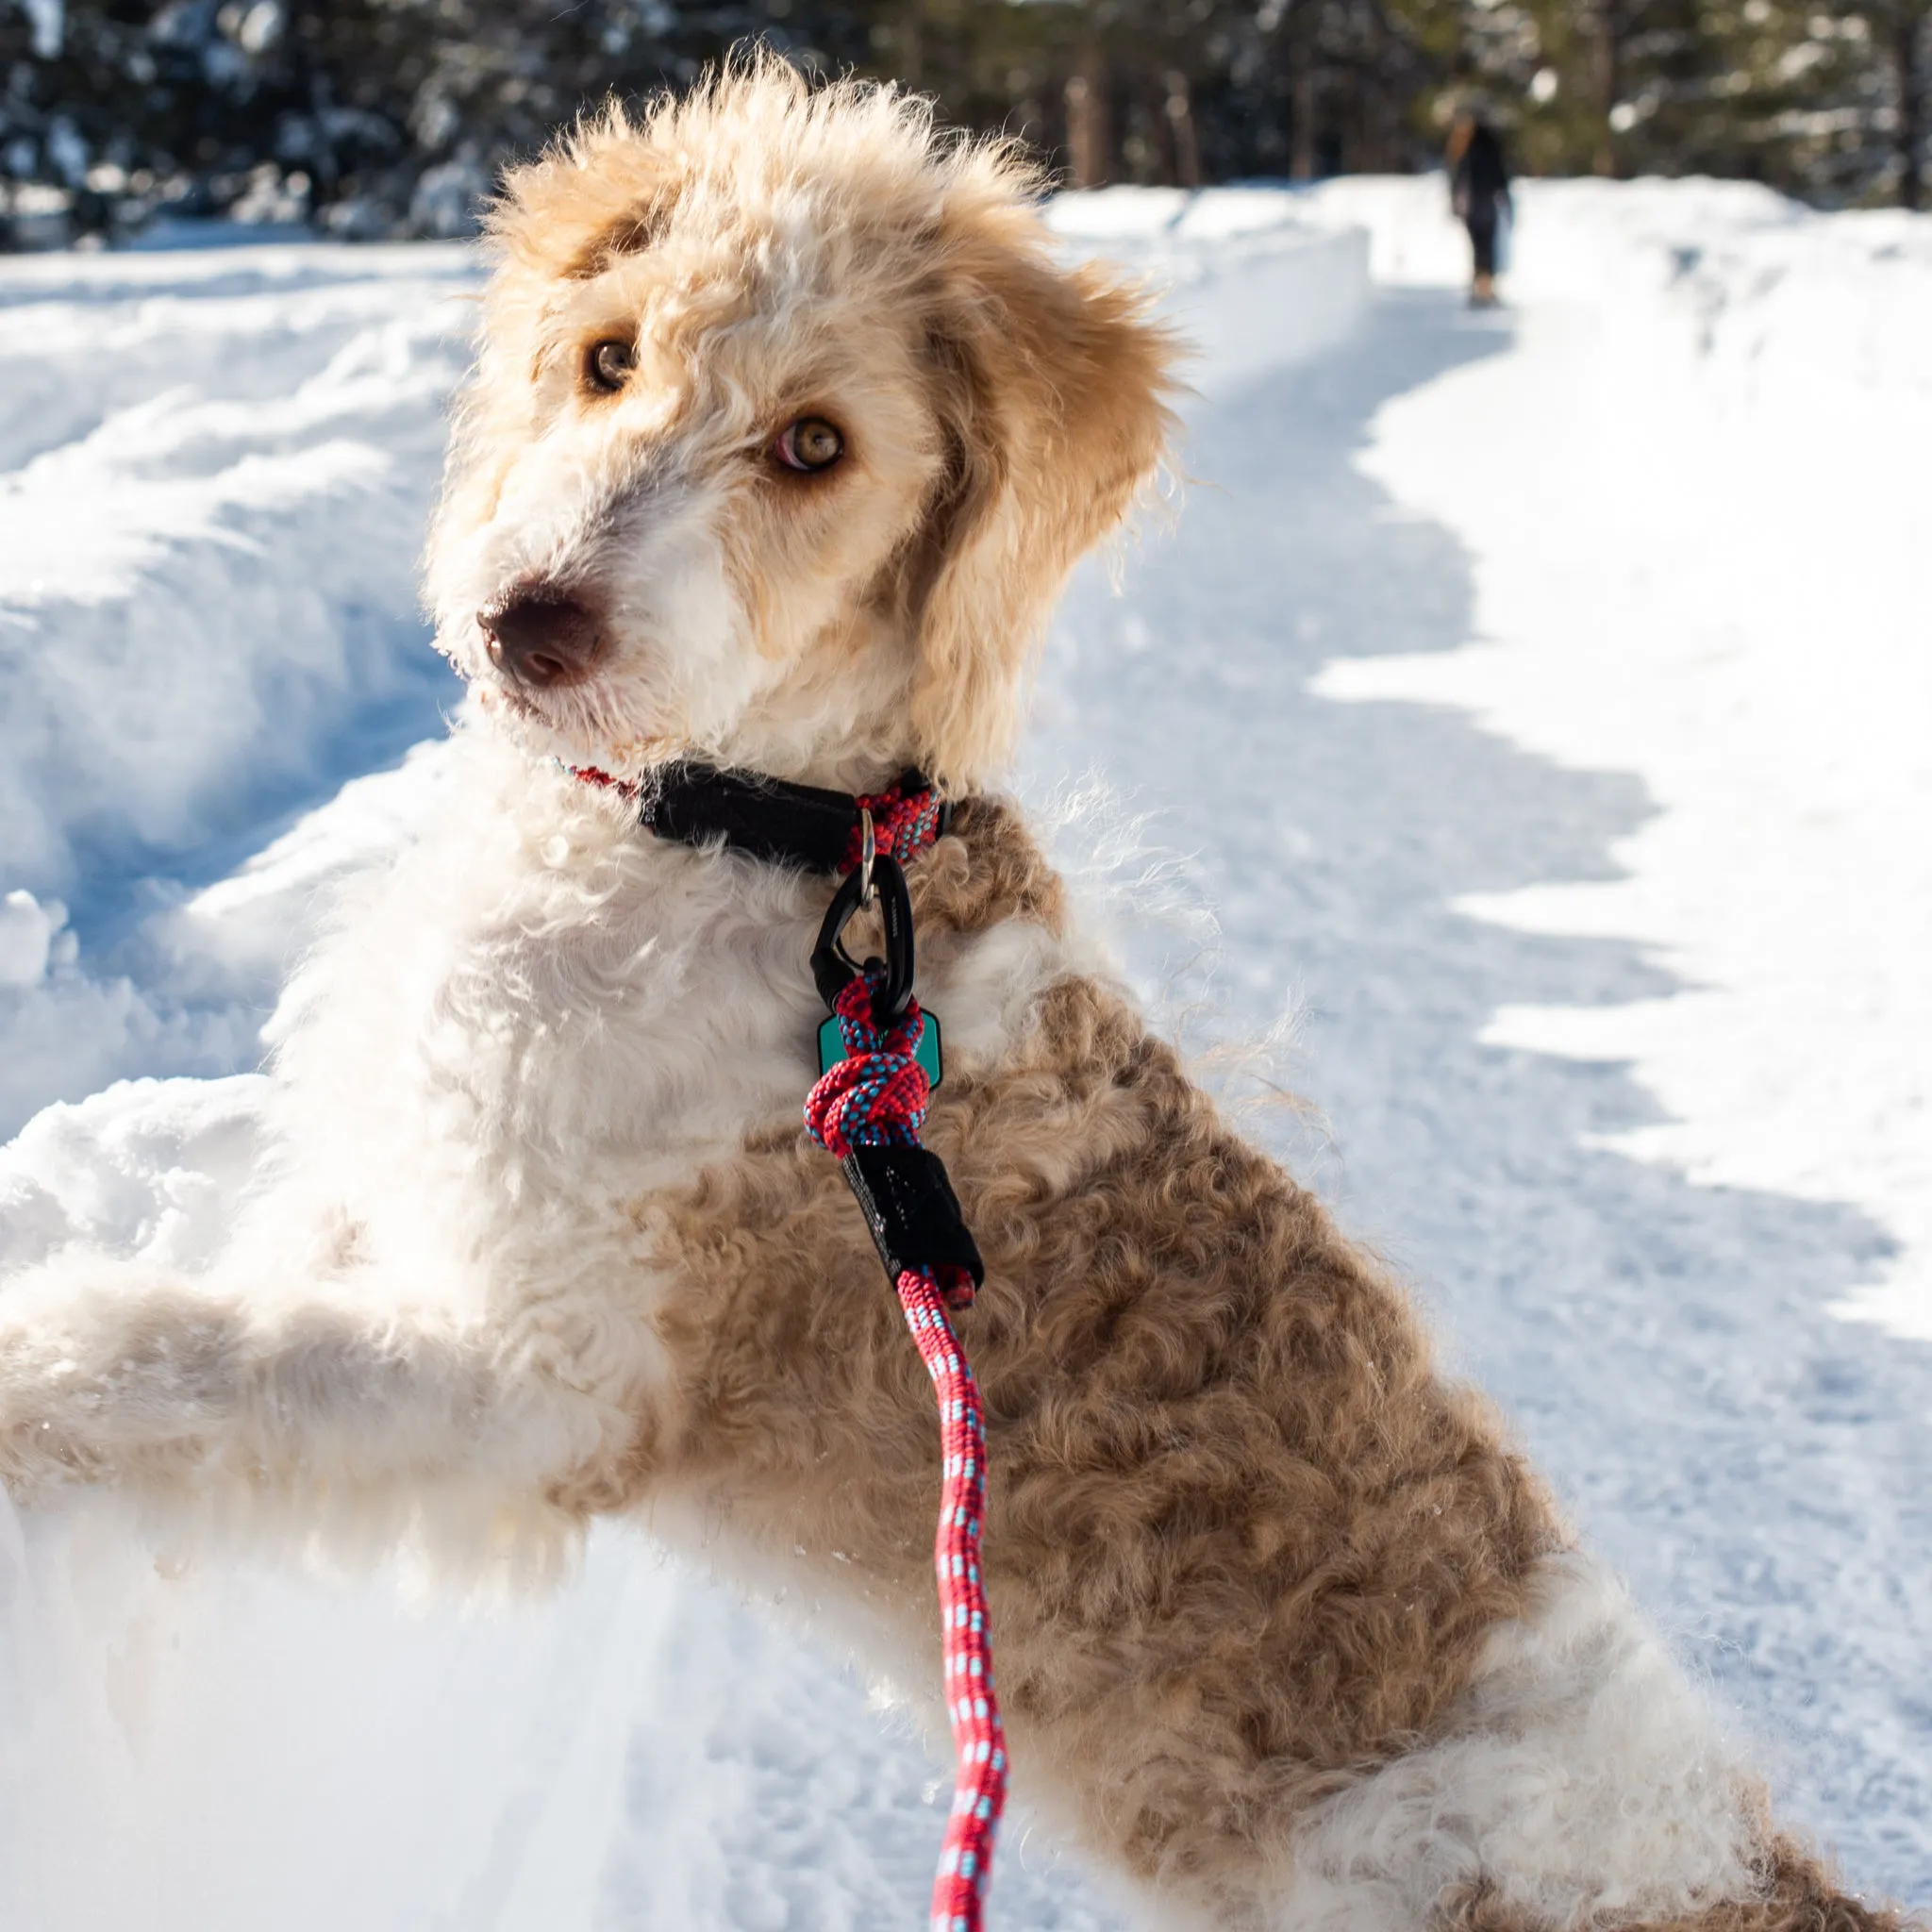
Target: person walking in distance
[[1479, 193]]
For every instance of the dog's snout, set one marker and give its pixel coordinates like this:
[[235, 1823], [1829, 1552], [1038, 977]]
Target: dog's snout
[[543, 636]]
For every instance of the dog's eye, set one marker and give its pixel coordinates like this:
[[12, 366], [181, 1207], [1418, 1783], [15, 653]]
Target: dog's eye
[[811, 444], [607, 364]]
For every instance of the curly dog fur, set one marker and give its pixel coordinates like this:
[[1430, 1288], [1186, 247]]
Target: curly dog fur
[[1290, 1634]]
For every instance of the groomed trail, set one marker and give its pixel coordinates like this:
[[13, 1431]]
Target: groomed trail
[[1530, 707]]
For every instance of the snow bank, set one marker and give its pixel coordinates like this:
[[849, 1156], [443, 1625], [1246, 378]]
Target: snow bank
[[1247, 284], [1752, 281], [149, 1168], [1699, 559], [215, 484], [232, 1747], [215, 467], [194, 1742], [1751, 640], [1725, 272]]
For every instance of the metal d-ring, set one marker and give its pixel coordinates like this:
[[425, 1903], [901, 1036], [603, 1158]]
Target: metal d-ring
[[867, 851]]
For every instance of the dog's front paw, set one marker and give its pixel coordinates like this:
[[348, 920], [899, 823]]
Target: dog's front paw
[[100, 1386], [57, 1434], [43, 1441]]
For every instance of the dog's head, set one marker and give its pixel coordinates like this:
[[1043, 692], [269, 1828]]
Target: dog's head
[[787, 427]]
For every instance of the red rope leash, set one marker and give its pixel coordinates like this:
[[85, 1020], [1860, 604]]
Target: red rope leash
[[979, 1782], [878, 1096], [867, 1110]]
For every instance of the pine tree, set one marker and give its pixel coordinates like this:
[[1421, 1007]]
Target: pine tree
[[386, 116], [1897, 36]]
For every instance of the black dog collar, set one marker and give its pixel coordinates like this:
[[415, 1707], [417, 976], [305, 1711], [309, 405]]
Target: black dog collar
[[778, 821]]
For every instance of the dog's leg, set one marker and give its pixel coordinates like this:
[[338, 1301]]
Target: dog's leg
[[128, 1378]]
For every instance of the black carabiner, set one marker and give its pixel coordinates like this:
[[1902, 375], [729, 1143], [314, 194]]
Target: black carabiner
[[833, 969]]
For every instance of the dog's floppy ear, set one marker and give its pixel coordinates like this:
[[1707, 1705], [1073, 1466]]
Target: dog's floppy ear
[[1050, 382]]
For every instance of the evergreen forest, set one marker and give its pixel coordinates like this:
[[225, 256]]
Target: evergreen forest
[[389, 117]]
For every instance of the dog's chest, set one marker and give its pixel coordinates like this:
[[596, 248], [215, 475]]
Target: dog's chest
[[513, 1033]]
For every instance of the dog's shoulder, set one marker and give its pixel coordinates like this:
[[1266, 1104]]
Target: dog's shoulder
[[987, 871]]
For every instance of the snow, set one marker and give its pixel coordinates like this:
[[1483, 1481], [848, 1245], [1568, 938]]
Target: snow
[[1246, 284], [1539, 702], [212, 471], [1728, 272], [1750, 640]]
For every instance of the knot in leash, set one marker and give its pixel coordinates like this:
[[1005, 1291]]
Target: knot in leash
[[878, 1095], [866, 1111]]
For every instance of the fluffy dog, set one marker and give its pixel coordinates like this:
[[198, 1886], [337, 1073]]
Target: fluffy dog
[[787, 427]]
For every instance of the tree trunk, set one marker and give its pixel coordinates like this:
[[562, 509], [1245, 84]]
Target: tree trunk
[[1180, 124], [1089, 138], [1908, 78], [1301, 162], [911, 49], [1605, 76]]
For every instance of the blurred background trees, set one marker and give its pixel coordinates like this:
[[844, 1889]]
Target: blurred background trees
[[377, 117]]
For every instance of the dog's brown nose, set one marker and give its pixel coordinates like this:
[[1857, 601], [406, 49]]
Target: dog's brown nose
[[542, 637]]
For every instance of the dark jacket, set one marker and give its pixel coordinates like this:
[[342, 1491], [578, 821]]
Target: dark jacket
[[1481, 177]]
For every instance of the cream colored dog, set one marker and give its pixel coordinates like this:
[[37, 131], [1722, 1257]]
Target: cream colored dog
[[786, 428]]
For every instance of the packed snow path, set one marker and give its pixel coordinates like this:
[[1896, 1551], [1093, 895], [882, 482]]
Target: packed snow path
[[1760, 1465], [1534, 731]]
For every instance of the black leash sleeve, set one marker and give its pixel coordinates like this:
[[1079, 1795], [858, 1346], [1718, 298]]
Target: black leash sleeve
[[912, 1211]]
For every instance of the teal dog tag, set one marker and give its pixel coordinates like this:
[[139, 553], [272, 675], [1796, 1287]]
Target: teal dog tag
[[832, 1050]]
